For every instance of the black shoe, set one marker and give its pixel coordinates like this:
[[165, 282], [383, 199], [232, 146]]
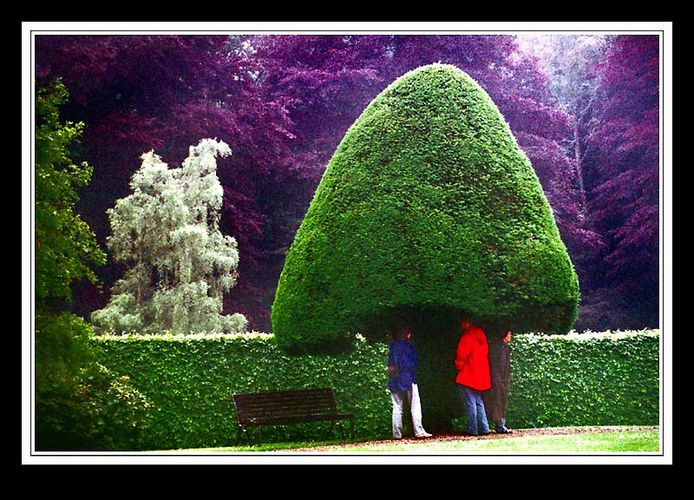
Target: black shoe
[[503, 430]]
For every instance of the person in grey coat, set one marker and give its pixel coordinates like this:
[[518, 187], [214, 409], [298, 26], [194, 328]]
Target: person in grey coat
[[500, 368]]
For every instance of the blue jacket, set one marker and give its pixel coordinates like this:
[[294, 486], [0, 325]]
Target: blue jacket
[[402, 354]]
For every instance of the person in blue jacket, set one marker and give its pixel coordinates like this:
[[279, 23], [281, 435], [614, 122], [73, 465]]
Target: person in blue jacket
[[402, 363]]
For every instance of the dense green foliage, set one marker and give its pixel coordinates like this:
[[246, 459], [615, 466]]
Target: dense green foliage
[[179, 264], [65, 245], [606, 379], [427, 202], [189, 380], [587, 379], [80, 404]]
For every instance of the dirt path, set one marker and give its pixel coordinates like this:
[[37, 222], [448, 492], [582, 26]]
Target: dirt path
[[548, 431]]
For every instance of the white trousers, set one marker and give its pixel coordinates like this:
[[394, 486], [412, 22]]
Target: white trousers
[[412, 397]]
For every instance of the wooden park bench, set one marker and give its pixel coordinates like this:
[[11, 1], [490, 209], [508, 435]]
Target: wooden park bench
[[257, 409]]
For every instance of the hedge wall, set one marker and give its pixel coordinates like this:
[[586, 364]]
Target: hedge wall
[[190, 379], [584, 379], [427, 201], [587, 379]]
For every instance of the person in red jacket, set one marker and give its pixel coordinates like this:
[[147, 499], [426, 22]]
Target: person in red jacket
[[472, 363]]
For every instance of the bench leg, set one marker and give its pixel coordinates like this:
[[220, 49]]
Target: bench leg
[[342, 426], [330, 430], [243, 430]]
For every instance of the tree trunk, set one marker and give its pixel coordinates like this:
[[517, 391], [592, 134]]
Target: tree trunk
[[436, 339], [579, 167]]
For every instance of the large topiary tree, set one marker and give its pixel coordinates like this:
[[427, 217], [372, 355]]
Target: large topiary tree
[[427, 212], [427, 202]]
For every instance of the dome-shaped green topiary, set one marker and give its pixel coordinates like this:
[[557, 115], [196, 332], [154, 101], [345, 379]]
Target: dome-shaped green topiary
[[428, 202]]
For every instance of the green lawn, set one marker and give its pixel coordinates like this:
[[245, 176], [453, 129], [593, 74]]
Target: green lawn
[[613, 441], [606, 442]]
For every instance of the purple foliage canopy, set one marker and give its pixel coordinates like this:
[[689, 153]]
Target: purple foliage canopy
[[284, 102], [624, 158]]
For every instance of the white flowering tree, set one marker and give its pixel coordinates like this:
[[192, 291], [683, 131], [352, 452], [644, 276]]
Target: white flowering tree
[[179, 265]]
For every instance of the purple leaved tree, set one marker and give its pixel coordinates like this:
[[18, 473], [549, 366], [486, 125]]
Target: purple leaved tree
[[283, 103], [137, 93], [623, 157]]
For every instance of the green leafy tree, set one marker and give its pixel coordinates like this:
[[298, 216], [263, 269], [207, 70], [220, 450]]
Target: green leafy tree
[[80, 404], [179, 264], [66, 247], [427, 204]]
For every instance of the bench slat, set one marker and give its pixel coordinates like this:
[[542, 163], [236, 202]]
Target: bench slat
[[290, 420]]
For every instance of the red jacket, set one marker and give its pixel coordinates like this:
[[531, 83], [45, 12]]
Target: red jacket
[[472, 361]]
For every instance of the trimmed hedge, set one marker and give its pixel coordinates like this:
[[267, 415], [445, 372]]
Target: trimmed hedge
[[587, 379], [189, 380], [427, 202]]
